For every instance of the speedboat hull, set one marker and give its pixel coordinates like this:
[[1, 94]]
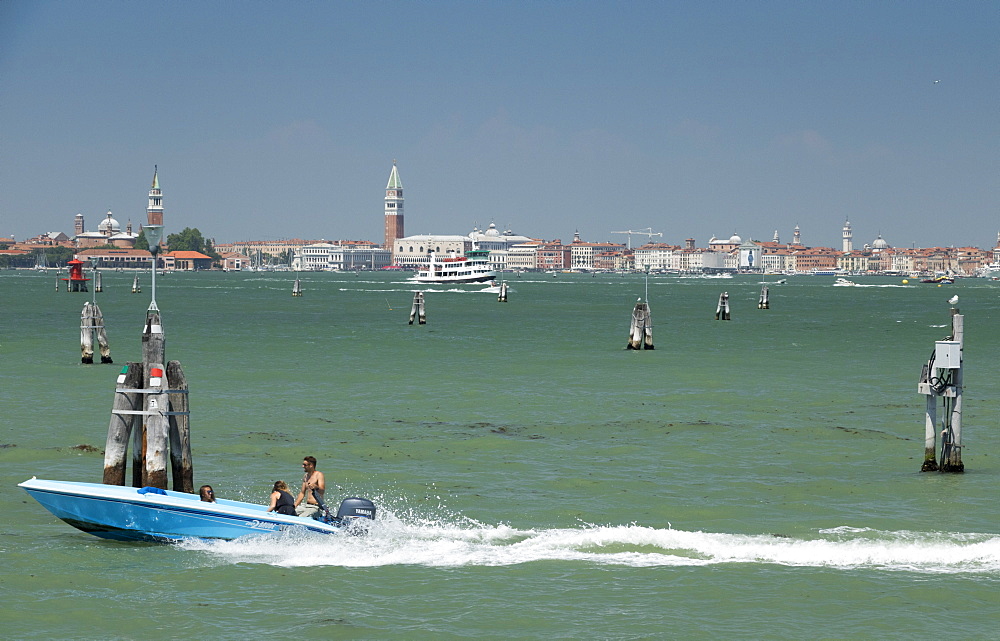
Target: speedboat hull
[[130, 514]]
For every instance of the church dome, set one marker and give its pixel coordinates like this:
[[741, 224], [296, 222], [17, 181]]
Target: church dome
[[735, 240], [109, 225], [880, 243], [492, 231]]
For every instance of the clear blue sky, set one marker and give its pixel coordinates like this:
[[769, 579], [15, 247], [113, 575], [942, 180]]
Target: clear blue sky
[[282, 119]]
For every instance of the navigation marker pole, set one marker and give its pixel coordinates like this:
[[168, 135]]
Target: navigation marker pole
[[942, 377]]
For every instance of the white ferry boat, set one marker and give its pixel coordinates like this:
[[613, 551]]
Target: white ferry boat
[[473, 267]]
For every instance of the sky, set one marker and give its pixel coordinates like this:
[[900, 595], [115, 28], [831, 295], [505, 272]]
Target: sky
[[692, 119]]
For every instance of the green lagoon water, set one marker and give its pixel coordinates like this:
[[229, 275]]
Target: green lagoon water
[[751, 479]]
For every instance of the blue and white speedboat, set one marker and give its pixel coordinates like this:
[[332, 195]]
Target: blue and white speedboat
[[150, 514]]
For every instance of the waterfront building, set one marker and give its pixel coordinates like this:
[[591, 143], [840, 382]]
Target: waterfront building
[[582, 253], [412, 251], [107, 258], [272, 248], [748, 255], [345, 256], [971, 259], [855, 262], [552, 255], [774, 257], [233, 261], [816, 258], [393, 209], [528, 257], [185, 261], [900, 260], [657, 257]]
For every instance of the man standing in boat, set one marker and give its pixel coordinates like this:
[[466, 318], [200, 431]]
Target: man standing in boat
[[313, 489]]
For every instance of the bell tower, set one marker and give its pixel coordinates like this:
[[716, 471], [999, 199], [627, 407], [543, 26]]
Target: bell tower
[[393, 208], [848, 242], [154, 212]]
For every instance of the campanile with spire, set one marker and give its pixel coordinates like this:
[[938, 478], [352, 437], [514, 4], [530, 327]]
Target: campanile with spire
[[154, 212], [393, 208]]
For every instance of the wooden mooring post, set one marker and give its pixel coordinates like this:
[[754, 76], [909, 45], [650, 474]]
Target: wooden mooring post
[[98, 281], [502, 296], [941, 377], [136, 288], [641, 330], [722, 311], [91, 324], [124, 412], [297, 287], [181, 466], [151, 407], [764, 303], [417, 310]]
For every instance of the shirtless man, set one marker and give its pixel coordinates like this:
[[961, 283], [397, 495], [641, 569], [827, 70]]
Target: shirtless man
[[313, 481]]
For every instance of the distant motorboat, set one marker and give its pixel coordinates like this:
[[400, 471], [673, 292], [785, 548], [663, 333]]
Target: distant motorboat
[[492, 288], [843, 282]]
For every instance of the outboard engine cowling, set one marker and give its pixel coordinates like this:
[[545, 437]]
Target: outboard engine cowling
[[355, 512]]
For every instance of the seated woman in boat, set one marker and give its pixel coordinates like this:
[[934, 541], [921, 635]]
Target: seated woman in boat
[[206, 493], [282, 501]]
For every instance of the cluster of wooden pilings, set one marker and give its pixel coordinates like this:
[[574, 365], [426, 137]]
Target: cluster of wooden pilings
[[150, 408], [764, 302], [941, 377], [91, 325], [722, 310], [641, 331], [297, 287], [417, 311]]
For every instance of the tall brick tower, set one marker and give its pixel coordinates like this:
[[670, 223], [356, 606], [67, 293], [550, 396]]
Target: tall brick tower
[[154, 212], [393, 208]]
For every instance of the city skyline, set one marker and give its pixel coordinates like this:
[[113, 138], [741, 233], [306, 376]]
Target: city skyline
[[697, 121]]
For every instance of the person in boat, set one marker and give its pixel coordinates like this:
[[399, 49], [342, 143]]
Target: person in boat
[[281, 499], [206, 493], [313, 489]]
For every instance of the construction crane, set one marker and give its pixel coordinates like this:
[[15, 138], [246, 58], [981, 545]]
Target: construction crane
[[640, 232]]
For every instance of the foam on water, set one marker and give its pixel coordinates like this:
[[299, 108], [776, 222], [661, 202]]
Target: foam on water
[[436, 543]]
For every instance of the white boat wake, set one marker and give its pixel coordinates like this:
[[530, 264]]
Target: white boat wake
[[434, 544]]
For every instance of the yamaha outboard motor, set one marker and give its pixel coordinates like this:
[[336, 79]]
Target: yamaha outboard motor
[[356, 513]]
